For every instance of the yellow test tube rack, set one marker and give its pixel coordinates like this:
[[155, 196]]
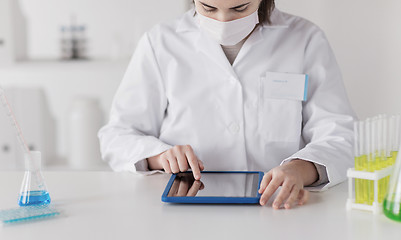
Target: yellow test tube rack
[[375, 149], [371, 189]]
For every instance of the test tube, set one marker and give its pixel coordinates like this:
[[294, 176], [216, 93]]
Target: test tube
[[383, 156], [368, 186], [357, 158], [397, 131], [390, 141], [363, 191], [380, 142], [362, 146], [373, 145], [356, 144], [384, 141], [368, 142], [396, 137]]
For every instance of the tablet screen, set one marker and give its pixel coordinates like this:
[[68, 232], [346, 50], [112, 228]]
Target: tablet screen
[[215, 185]]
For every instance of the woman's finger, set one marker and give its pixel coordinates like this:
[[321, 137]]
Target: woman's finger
[[193, 162], [166, 165], [265, 181], [283, 194], [171, 157], [182, 161], [270, 190], [303, 196], [293, 197], [201, 166]]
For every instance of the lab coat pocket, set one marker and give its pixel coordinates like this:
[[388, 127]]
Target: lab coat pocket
[[280, 118]]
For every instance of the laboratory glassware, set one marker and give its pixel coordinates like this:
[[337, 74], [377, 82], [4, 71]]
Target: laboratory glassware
[[392, 202], [374, 141], [33, 188]]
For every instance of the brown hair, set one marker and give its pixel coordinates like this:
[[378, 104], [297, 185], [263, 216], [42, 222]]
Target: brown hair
[[266, 8]]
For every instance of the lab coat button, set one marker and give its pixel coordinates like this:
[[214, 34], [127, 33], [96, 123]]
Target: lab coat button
[[234, 128]]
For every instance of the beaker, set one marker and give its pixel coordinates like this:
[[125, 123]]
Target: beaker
[[33, 188], [392, 202]]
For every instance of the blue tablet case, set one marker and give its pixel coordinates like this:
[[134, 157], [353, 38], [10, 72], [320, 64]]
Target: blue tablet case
[[219, 200]]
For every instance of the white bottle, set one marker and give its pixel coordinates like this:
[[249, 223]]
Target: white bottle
[[85, 120]]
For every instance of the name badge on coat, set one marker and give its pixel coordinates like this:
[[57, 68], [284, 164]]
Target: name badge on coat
[[286, 86]]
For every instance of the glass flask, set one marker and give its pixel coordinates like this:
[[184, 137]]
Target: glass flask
[[33, 188], [392, 202]]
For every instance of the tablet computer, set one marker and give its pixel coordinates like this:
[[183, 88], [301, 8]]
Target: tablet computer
[[214, 187]]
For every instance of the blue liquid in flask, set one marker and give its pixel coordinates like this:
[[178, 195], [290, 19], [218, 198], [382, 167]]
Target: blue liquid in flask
[[34, 198]]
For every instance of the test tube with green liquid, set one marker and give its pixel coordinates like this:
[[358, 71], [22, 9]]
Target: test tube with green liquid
[[392, 202]]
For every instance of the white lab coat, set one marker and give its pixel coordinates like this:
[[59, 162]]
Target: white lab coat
[[180, 89]]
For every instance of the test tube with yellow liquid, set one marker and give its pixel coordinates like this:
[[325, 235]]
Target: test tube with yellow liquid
[[382, 132], [371, 163], [363, 162], [358, 158], [397, 143]]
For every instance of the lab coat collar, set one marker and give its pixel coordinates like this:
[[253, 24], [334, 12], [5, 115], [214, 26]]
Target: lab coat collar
[[189, 22], [277, 20]]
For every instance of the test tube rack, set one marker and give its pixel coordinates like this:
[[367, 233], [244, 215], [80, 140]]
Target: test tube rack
[[376, 144], [354, 175]]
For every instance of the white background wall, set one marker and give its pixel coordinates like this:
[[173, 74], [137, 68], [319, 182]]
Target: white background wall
[[365, 36], [62, 82]]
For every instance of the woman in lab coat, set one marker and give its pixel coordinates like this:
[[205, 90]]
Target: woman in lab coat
[[224, 87]]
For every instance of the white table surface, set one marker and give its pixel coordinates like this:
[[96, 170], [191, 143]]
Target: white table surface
[[108, 205]]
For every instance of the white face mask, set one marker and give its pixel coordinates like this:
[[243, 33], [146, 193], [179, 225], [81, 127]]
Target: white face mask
[[229, 33]]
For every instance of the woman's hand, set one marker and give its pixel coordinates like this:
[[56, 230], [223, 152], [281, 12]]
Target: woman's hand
[[177, 159], [292, 176]]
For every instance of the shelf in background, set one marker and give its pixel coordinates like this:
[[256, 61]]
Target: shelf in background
[[62, 82]]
